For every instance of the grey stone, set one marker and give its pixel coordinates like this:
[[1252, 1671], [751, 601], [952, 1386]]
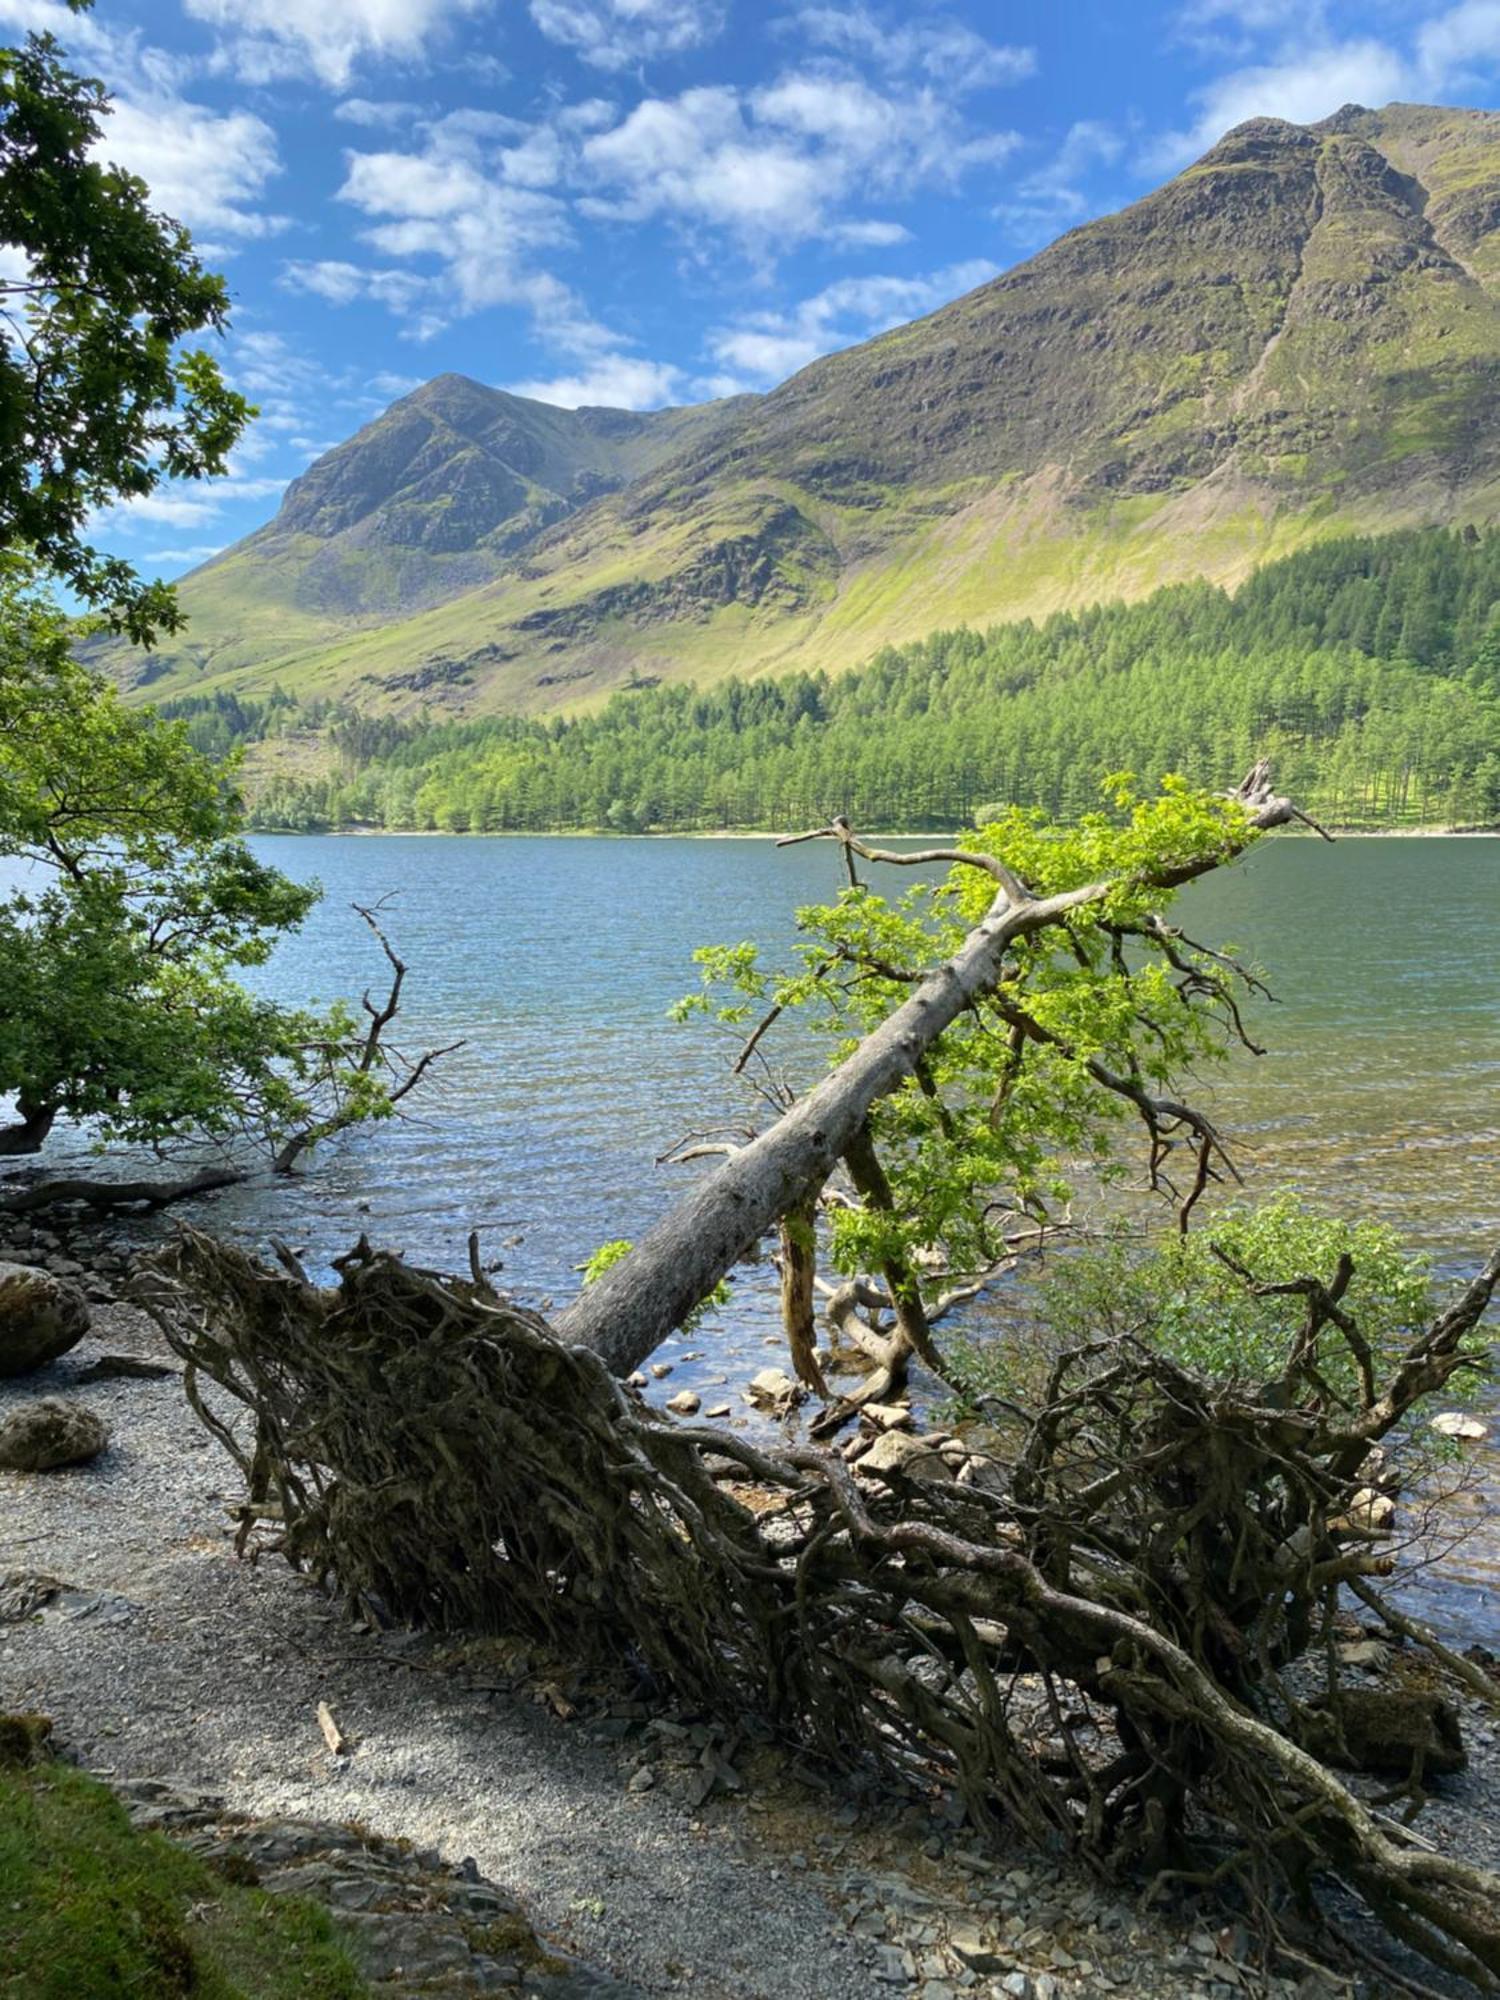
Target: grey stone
[[41, 1317], [41, 1436]]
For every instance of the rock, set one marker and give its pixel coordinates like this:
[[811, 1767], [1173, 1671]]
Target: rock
[[1371, 1654], [41, 1316], [661, 1370], [1370, 1513], [1457, 1424], [894, 1452], [720, 1410], [642, 1780], [40, 1436], [685, 1403], [774, 1390], [1401, 1731], [977, 1953], [887, 1416]]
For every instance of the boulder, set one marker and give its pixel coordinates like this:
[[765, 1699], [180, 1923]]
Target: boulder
[[39, 1436], [41, 1316], [1399, 1732]]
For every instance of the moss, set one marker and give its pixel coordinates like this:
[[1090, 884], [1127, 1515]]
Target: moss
[[512, 1940], [22, 1738], [91, 1908]]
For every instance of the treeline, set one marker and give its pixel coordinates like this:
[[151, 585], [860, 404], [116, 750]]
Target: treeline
[[1368, 669]]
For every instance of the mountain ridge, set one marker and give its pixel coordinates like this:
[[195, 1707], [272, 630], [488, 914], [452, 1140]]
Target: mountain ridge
[[1297, 336]]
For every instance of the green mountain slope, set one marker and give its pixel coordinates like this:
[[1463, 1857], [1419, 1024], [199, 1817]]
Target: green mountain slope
[[1368, 669], [1296, 338]]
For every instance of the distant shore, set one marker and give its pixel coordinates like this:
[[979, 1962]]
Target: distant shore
[[949, 834]]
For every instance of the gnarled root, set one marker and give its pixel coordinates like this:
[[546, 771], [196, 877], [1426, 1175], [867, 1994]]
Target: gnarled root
[[1088, 1644]]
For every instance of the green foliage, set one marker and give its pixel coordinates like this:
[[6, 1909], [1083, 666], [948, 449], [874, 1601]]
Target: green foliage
[[1177, 1296], [90, 1907], [99, 401], [609, 1254], [606, 1257], [1034, 1082], [1369, 670], [138, 905]]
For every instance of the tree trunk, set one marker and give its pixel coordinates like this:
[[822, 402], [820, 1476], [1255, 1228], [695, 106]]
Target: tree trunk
[[627, 1313], [30, 1134]]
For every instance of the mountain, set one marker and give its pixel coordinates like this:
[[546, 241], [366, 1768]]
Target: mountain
[[1296, 338]]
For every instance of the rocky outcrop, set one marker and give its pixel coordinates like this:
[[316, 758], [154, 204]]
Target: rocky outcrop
[[42, 1315], [411, 1922]]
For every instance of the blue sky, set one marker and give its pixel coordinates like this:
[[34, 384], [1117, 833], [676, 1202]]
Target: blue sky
[[638, 202]]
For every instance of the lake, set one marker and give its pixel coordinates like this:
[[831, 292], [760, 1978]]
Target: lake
[[555, 959]]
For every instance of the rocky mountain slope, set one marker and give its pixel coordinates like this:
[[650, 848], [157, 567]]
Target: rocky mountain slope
[[1298, 336]]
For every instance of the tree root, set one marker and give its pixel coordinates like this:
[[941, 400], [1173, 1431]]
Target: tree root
[[1087, 1646]]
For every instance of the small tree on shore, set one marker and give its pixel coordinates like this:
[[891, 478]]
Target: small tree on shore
[[137, 902]]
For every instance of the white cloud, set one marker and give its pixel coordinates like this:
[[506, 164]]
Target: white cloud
[[1302, 88], [208, 169], [944, 51], [868, 235], [1308, 70], [266, 41], [617, 381], [198, 553], [188, 506], [342, 283], [1053, 196], [776, 165], [617, 34], [1460, 43], [203, 168], [453, 207], [766, 347], [388, 383], [380, 113]]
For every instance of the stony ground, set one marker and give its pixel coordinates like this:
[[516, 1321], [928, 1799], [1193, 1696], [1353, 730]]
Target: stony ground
[[662, 1853]]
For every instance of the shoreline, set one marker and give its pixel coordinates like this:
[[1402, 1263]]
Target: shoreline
[[759, 833]]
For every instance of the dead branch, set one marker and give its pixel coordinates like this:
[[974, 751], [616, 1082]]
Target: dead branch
[[374, 1055]]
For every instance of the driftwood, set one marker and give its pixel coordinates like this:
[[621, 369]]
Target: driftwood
[[107, 1196], [1085, 1634]]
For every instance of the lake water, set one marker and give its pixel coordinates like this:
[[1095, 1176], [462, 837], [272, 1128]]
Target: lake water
[[555, 960]]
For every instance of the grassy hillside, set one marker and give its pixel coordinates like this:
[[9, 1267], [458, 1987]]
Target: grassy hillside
[[1368, 669], [1295, 340]]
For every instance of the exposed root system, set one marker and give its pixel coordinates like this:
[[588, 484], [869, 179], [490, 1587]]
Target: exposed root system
[[1087, 1635]]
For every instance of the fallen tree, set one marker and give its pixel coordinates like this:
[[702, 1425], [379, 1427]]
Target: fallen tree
[[1110, 1627]]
